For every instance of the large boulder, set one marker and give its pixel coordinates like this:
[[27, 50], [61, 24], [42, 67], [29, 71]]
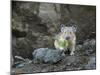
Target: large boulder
[[47, 55]]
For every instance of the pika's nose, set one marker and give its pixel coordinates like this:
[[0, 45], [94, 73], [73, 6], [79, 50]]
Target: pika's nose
[[67, 38]]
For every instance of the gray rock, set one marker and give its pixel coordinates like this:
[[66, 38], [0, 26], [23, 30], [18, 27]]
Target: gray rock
[[47, 55], [78, 47], [88, 47], [91, 42], [91, 63]]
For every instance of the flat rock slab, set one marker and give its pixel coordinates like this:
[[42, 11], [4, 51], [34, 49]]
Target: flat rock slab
[[47, 55]]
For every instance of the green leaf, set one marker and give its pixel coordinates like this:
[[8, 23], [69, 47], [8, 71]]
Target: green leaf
[[63, 43]]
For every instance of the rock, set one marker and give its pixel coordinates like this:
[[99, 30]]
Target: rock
[[22, 48], [78, 47], [87, 48], [20, 65], [71, 60], [46, 41], [91, 64], [47, 55], [90, 42], [22, 62]]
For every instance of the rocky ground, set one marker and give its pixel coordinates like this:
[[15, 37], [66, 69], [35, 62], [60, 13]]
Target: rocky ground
[[34, 26], [84, 59]]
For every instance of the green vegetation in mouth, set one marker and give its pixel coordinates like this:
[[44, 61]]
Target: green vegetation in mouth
[[62, 43]]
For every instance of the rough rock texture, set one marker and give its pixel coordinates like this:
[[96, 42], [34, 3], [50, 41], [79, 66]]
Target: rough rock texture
[[82, 60], [47, 55], [34, 26]]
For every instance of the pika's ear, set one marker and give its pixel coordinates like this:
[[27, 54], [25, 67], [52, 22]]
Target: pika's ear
[[74, 28], [62, 27]]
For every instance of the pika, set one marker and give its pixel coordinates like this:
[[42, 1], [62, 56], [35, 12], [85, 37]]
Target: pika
[[66, 39]]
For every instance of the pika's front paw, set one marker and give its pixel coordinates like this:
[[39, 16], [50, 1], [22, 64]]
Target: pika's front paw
[[72, 53]]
